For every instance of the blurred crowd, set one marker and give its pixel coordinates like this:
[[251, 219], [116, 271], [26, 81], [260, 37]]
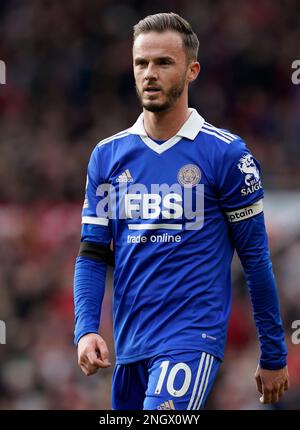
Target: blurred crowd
[[69, 84]]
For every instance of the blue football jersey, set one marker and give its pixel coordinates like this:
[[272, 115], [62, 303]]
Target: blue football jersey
[[168, 208]]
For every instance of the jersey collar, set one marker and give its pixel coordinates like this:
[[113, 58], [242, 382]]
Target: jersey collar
[[189, 130]]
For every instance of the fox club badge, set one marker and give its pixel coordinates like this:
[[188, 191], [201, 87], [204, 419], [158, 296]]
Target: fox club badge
[[247, 166], [189, 175]]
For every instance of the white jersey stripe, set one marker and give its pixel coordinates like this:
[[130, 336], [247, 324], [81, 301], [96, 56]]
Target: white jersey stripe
[[110, 139], [203, 355], [95, 220], [216, 135], [114, 135], [206, 382], [223, 132], [143, 226], [202, 381], [216, 130]]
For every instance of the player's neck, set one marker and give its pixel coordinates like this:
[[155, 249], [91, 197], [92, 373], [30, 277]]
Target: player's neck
[[164, 125]]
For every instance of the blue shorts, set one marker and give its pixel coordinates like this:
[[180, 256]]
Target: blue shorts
[[176, 380]]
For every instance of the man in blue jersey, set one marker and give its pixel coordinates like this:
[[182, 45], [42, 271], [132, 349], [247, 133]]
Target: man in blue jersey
[[176, 196]]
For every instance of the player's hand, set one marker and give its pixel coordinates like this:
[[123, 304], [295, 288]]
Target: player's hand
[[271, 383], [92, 354]]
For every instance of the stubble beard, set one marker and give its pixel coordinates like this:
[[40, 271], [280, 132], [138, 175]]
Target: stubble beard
[[171, 97]]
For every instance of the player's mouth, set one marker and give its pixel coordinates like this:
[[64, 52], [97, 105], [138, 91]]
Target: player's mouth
[[151, 90]]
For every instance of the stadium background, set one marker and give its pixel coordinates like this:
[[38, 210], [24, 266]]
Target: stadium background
[[69, 84]]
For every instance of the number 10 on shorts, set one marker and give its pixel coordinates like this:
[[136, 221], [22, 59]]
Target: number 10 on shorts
[[176, 392]]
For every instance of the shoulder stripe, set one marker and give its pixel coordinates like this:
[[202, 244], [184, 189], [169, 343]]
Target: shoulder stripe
[[218, 130], [216, 135], [114, 137], [116, 134]]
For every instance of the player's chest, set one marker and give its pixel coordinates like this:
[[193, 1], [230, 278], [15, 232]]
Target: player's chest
[[169, 186], [145, 169]]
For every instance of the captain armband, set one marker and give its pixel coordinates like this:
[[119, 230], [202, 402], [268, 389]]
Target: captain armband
[[97, 252], [245, 213]]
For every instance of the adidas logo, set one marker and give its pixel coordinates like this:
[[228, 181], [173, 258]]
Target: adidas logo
[[125, 177], [168, 405]]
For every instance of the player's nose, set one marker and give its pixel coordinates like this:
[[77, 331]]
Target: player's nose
[[151, 72]]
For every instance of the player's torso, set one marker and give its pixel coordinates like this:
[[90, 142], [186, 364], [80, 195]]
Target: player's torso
[[171, 242], [160, 191]]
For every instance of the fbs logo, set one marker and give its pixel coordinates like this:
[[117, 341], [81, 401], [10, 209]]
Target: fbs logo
[[166, 406], [125, 177], [163, 202]]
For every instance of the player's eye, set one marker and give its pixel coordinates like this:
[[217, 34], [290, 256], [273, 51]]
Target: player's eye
[[141, 63], [164, 62]]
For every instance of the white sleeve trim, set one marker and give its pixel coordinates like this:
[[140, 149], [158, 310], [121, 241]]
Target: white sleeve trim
[[244, 213], [95, 220]]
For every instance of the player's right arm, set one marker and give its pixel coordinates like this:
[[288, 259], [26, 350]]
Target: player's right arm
[[90, 273], [93, 353]]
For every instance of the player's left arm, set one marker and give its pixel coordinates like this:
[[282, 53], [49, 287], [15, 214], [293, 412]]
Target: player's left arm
[[250, 239], [241, 197]]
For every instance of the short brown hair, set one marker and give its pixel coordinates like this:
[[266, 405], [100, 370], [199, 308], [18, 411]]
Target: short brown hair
[[162, 22]]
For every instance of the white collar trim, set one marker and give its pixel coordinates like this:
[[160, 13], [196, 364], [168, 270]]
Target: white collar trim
[[189, 130]]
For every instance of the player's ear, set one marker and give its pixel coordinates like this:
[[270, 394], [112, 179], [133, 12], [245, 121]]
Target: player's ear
[[193, 71]]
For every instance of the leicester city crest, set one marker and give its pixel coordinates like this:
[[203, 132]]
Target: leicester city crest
[[189, 175]]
